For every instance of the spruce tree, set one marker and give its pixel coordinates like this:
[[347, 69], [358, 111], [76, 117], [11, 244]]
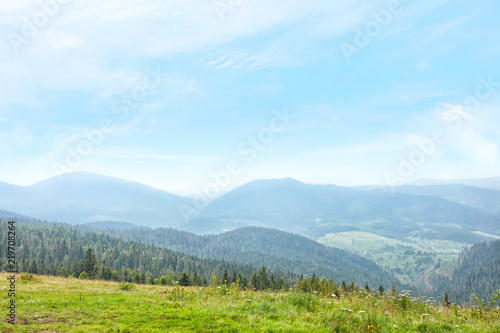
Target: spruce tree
[[446, 300], [381, 289], [235, 277], [196, 279], [225, 276], [184, 280]]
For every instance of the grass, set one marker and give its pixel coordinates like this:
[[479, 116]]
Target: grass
[[52, 304]]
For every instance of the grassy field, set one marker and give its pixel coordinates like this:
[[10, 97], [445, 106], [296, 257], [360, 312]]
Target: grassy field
[[50, 304]]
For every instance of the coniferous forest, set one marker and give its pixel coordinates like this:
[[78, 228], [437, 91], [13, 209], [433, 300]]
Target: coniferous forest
[[58, 250]]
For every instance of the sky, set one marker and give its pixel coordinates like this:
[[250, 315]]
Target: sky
[[200, 96]]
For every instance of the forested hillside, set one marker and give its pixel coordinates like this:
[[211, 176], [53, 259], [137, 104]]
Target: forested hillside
[[60, 250], [268, 247], [478, 272]]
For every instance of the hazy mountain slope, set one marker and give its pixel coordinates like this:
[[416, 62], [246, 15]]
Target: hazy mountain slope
[[315, 210], [492, 183], [272, 248], [7, 214], [86, 197], [111, 225], [480, 198]]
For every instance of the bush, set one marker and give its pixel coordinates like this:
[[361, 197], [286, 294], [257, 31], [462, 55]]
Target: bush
[[28, 277], [126, 286]]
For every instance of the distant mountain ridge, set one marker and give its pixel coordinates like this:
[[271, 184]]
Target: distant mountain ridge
[[7, 214], [83, 197], [492, 183], [315, 210], [450, 212]]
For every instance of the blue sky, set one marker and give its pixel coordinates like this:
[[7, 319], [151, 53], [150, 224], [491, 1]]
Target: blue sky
[[226, 68]]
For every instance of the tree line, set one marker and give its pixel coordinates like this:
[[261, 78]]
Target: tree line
[[72, 251]]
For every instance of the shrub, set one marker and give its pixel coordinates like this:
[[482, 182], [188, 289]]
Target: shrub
[[126, 286], [28, 277]]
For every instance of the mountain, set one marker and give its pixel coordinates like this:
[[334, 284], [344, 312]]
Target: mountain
[[482, 198], [83, 197], [6, 214], [267, 247], [111, 225], [285, 204], [316, 210], [492, 183]]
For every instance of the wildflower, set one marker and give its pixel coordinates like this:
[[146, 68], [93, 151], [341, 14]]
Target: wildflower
[[362, 311], [248, 300]]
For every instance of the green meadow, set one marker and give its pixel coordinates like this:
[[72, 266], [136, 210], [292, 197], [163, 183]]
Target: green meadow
[[410, 259], [53, 304]]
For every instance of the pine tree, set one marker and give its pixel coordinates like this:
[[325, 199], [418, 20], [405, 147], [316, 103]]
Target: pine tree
[[254, 282], [446, 300], [272, 282], [184, 280], [262, 279], [225, 276], [283, 285], [314, 282], [381, 289], [196, 279], [89, 262], [33, 267], [235, 277]]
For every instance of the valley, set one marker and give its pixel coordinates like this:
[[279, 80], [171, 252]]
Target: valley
[[408, 259], [407, 237]]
